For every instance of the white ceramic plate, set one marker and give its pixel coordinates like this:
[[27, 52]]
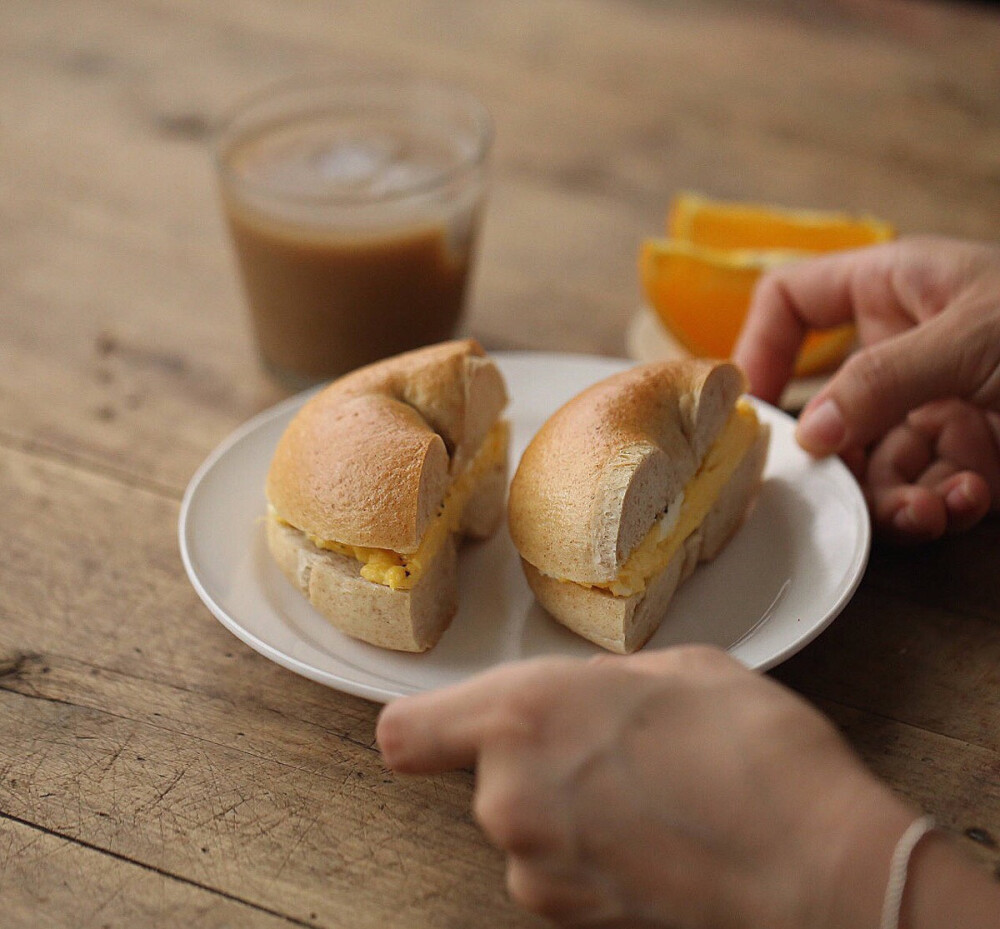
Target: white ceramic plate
[[782, 579]]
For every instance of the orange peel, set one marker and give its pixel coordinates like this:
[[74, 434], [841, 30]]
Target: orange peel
[[726, 224], [700, 279], [701, 296]]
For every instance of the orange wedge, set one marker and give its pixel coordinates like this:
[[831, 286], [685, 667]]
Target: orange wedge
[[701, 295], [721, 224], [700, 279]]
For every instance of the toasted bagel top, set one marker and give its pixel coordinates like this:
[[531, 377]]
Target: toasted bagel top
[[368, 460], [603, 468]]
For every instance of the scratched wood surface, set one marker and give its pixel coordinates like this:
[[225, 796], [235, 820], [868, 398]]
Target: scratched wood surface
[[153, 770]]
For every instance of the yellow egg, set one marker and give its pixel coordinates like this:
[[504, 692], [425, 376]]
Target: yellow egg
[[657, 548]]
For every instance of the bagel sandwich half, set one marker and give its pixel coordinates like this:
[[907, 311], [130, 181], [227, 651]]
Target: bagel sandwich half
[[627, 487], [378, 478]]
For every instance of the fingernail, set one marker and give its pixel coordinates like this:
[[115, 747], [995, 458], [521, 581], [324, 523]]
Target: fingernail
[[960, 497], [822, 429], [904, 519]]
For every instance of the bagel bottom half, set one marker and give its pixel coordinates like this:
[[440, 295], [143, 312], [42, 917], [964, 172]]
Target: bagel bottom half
[[405, 620], [625, 624]]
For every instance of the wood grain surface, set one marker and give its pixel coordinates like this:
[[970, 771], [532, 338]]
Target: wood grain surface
[[154, 771]]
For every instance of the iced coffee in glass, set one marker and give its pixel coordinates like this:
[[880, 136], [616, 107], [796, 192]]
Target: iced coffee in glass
[[354, 205]]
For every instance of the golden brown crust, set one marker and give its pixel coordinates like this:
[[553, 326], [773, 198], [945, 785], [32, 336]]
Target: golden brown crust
[[603, 467], [406, 620], [367, 461]]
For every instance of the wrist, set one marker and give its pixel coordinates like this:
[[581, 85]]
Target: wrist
[[866, 823], [944, 888]]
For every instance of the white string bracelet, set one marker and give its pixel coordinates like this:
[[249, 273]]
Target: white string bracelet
[[898, 868]]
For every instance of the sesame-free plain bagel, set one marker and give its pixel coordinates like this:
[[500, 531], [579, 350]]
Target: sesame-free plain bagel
[[627, 487], [376, 479]]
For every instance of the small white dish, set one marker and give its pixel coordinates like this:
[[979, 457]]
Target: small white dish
[[782, 579]]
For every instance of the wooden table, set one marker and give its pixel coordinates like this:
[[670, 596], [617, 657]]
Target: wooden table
[[155, 771]]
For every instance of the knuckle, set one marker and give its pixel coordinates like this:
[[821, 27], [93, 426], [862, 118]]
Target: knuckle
[[873, 371], [978, 362], [514, 720], [769, 289], [529, 891], [967, 418], [511, 818], [774, 317], [919, 280], [539, 892], [520, 714]]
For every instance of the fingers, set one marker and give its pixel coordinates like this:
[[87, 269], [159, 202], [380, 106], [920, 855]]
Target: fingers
[[927, 315], [792, 299], [909, 514], [879, 385], [963, 435], [919, 483], [440, 730], [448, 728], [771, 338], [517, 806], [569, 894], [966, 498], [412, 743]]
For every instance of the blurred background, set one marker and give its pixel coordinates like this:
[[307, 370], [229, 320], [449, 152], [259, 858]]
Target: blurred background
[[603, 109]]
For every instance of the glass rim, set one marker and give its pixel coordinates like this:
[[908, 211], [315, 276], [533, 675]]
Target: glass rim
[[405, 85]]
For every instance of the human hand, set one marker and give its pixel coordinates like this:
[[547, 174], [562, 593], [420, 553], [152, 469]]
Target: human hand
[[915, 412], [669, 788]]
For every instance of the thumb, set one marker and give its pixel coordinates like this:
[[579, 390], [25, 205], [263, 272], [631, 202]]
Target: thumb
[[876, 388]]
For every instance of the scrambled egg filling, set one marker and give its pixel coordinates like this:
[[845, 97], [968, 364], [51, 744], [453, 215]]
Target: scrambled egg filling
[[685, 514], [402, 571]]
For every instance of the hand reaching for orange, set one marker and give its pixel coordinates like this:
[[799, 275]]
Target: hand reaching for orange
[[701, 278], [915, 412]]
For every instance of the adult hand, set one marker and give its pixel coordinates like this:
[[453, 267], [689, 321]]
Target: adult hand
[[916, 411], [670, 788]]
